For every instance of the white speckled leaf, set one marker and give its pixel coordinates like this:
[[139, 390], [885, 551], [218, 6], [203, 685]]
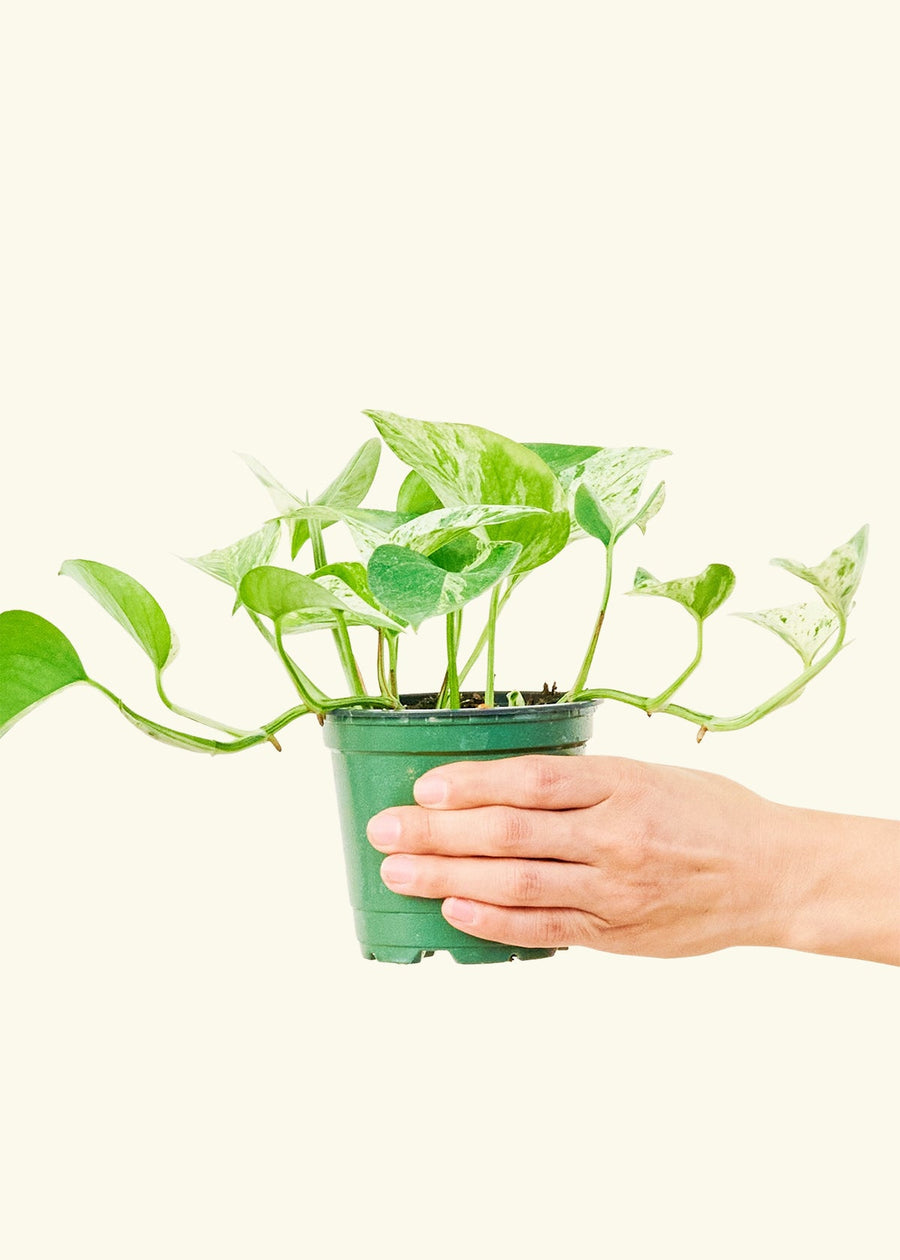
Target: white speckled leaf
[[805, 627], [349, 582], [433, 530], [229, 564], [614, 477], [348, 490], [700, 595], [650, 508], [560, 458], [415, 588], [467, 465], [839, 574]]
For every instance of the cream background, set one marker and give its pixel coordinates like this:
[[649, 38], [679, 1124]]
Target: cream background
[[231, 227]]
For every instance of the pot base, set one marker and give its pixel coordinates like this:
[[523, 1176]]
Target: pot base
[[487, 953]]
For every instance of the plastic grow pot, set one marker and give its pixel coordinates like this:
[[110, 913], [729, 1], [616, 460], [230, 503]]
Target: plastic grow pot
[[377, 756]]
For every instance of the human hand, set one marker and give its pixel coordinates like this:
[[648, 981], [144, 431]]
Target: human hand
[[636, 858]]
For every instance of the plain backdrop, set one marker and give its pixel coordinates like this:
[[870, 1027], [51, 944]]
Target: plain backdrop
[[231, 227]]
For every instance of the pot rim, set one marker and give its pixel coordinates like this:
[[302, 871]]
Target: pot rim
[[433, 716]]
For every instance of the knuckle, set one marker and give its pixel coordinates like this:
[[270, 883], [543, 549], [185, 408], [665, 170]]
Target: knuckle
[[523, 882], [511, 829], [545, 778]]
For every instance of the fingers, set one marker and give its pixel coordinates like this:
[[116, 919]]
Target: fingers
[[512, 882], [530, 782], [531, 928], [490, 831]]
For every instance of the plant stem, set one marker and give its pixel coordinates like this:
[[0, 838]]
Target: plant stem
[[491, 641], [483, 637], [708, 721], [309, 693], [262, 628], [237, 731], [198, 743], [579, 682], [658, 701], [340, 633], [393, 652], [454, 622]]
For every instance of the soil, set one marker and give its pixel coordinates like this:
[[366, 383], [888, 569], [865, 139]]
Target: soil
[[475, 699]]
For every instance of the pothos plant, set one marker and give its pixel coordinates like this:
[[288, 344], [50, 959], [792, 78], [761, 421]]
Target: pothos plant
[[476, 514]]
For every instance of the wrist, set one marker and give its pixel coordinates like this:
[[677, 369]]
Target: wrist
[[839, 892]]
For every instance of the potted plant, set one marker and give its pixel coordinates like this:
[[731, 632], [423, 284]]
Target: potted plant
[[475, 515]]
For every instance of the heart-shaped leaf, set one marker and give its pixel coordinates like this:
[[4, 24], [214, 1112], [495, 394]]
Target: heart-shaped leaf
[[466, 465], [591, 516], [416, 496], [839, 574], [805, 627], [349, 583], [414, 587], [700, 595], [348, 490], [229, 564], [130, 604], [36, 660], [614, 478], [274, 593]]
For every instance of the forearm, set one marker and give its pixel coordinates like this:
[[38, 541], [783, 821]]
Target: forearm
[[840, 886]]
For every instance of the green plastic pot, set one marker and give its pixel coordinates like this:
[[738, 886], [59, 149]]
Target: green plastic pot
[[378, 754]]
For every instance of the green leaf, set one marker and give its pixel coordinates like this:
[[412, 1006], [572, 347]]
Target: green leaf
[[274, 593], [433, 530], [805, 627], [700, 595], [349, 583], [561, 458], [466, 465], [229, 564], [415, 588], [416, 496], [590, 516], [36, 660], [130, 604], [614, 477], [839, 574], [348, 490]]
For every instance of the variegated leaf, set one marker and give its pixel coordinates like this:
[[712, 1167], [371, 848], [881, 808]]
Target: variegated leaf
[[347, 490], [415, 588], [466, 465], [839, 574], [229, 564], [614, 478], [433, 530], [701, 595], [806, 627], [347, 581]]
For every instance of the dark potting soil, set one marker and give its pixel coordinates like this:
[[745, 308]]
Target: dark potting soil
[[475, 699]]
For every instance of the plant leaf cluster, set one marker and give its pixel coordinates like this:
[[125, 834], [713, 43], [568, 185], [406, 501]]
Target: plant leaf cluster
[[475, 514]]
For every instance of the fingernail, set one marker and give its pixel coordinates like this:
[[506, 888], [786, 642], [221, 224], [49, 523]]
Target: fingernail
[[397, 871], [431, 789], [459, 911], [383, 830]]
